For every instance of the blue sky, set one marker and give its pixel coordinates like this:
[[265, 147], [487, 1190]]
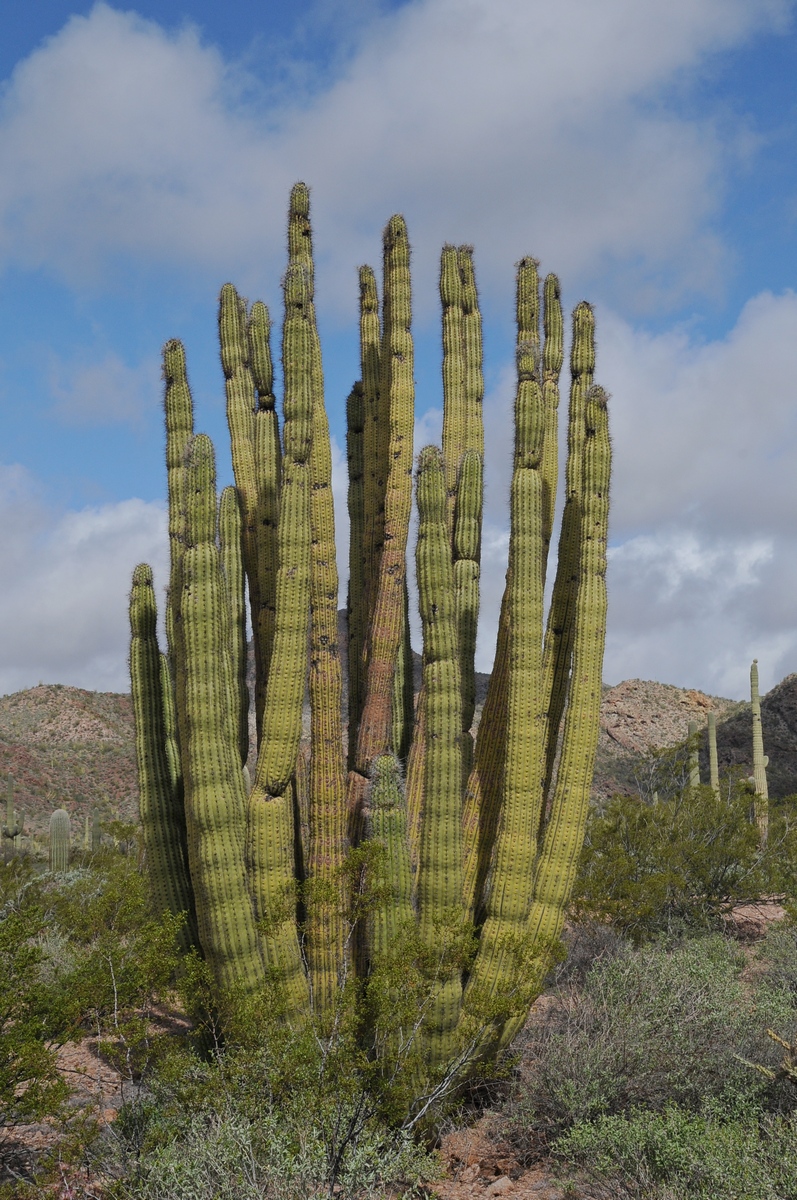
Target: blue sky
[[644, 152]]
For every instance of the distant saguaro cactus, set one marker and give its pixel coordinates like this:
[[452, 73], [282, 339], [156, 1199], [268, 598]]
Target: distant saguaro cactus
[[60, 832], [760, 760]]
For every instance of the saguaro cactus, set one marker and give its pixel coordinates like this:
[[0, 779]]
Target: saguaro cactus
[[60, 832], [760, 760], [713, 759], [467, 846]]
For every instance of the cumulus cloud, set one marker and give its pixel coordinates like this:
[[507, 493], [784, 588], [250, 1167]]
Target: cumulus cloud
[[517, 125], [103, 392], [63, 605]]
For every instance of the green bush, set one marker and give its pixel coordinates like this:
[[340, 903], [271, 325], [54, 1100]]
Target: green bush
[[673, 865], [649, 1028], [681, 1155], [274, 1121]]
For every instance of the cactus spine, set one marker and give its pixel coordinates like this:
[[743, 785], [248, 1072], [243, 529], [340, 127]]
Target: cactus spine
[[760, 760], [59, 840], [478, 847]]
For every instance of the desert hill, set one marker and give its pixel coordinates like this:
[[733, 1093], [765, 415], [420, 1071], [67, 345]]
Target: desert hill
[[66, 747]]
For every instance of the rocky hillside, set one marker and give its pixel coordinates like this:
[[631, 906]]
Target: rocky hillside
[[67, 748], [64, 747]]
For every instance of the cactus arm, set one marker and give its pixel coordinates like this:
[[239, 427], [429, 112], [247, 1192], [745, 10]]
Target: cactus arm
[[268, 465], [270, 825], [325, 902], [230, 537], [282, 717], [558, 634], [170, 742], [516, 841], [355, 611], [761, 802], [387, 624], [214, 788], [160, 801], [439, 884], [484, 791], [376, 437], [552, 357], [467, 553], [713, 760], [454, 421], [387, 826], [564, 832], [474, 354]]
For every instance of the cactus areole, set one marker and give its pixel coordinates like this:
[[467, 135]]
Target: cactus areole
[[477, 827]]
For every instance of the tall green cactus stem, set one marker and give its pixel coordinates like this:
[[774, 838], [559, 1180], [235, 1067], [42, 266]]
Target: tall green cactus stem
[[387, 827], [231, 536], [355, 601], [376, 439], [214, 791], [59, 840], [713, 759], [564, 829], [760, 761], [516, 839], [552, 357], [439, 883], [179, 430], [472, 336], [325, 901], [454, 369], [171, 745], [240, 390], [268, 467], [694, 755], [559, 629], [387, 626], [270, 811], [467, 553], [160, 802]]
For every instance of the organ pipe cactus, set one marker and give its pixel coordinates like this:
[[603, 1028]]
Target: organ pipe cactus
[[422, 831], [60, 832], [760, 760]]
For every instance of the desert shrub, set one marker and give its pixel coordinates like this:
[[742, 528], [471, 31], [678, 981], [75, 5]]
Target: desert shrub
[[674, 865], [648, 1029], [270, 1121], [681, 1155]]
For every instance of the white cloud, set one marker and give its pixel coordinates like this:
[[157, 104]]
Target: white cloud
[[521, 126], [103, 392], [705, 434], [63, 605], [695, 612]]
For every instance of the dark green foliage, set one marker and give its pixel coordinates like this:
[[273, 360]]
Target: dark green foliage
[[679, 1155], [31, 1017], [679, 862]]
